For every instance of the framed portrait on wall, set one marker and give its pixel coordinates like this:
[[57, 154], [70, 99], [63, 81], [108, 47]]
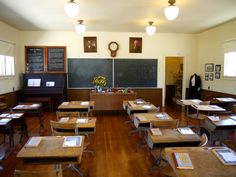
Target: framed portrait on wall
[[211, 76], [135, 45], [90, 44], [206, 76], [209, 67], [217, 75], [217, 67]]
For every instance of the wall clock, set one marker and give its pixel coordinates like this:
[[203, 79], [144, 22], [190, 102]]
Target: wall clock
[[113, 47]]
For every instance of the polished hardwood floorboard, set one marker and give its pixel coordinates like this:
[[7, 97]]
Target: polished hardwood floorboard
[[116, 153]]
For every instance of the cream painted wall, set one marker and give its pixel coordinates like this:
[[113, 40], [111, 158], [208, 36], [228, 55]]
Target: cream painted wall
[[210, 50], [158, 46], [11, 35]]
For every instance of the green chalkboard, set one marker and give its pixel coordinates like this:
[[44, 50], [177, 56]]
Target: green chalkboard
[[82, 71], [135, 72]]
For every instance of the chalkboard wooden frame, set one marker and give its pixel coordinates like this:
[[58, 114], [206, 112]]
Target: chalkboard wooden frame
[[43, 65], [61, 59], [32, 54]]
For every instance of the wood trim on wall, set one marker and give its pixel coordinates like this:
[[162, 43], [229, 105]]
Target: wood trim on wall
[[209, 94], [11, 98]]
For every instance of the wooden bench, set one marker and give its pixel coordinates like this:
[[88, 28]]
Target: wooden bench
[[48, 100]]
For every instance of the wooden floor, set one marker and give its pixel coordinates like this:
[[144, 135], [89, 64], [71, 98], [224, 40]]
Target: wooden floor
[[116, 153]]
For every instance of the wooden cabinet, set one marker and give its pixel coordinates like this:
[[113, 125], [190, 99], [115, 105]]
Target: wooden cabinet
[[110, 101], [45, 59]]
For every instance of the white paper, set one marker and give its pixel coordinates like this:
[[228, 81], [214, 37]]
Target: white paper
[[4, 120], [161, 116], [147, 106], [156, 131], [3, 115], [82, 121], [64, 119], [35, 105], [84, 103], [50, 84], [33, 142], [65, 103], [141, 118], [186, 131], [233, 117], [228, 156], [70, 143], [34, 82], [214, 118]]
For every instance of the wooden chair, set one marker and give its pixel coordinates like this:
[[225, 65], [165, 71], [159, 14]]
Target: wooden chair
[[67, 114], [56, 172], [204, 140], [63, 129]]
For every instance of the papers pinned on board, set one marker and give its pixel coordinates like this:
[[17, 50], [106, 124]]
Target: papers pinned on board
[[33, 142], [72, 141], [155, 131], [185, 131]]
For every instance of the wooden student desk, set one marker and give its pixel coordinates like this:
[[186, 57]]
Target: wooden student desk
[[219, 130], [51, 151], [205, 163], [132, 107], [110, 100], [31, 108], [78, 106]]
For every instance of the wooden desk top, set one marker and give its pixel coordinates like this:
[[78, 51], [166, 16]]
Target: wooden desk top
[[11, 115], [51, 147], [91, 122], [153, 117], [146, 107], [77, 105], [225, 100], [27, 106], [188, 102], [204, 161], [208, 108], [224, 121], [172, 137]]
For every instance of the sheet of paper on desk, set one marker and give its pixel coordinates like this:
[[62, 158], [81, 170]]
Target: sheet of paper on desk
[[185, 131], [35, 105], [4, 121], [33, 142], [72, 141], [156, 131], [19, 106], [226, 156], [182, 160], [162, 116], [147, 106], [84, 103], [141, 118], [64, 119], [3, 115], [16, 115], [83, 121], [233, 117], [214, 118], [65, 103]]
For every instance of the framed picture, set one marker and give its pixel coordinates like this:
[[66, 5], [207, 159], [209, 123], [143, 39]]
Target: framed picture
[[209, 67], [206, 76], [217, 67], [135, 45], [217, 75], [90, 44], [211, 76]]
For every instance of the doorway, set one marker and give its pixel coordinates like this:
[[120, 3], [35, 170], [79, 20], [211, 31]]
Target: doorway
[[173, 79]]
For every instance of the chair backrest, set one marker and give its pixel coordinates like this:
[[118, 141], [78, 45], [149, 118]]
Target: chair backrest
[[166, 124], [204, 140], [67, 114], [46, 173], [63, 129]]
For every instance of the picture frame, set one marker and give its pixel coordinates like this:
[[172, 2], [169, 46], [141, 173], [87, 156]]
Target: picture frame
[[217, 75], [90, 44], [209, 67], [217, 67], [211, 76], [135, 45], [206, 76]]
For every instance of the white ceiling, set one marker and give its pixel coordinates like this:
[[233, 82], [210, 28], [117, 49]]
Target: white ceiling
[[117, 15]]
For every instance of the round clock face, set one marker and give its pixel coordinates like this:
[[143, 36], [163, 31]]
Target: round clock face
[[113, 46]]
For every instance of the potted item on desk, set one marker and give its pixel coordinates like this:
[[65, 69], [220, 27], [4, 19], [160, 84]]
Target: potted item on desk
[[99, 82]]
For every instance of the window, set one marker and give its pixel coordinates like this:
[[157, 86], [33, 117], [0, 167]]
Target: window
[[229, 64], [7, 67], [7, 59]]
